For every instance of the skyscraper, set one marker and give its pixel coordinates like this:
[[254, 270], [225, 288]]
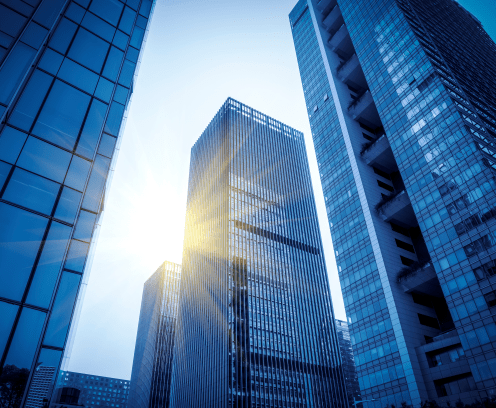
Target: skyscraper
[[348, 361], [400, 96], [153, 353], [255, 323], [66, 76]]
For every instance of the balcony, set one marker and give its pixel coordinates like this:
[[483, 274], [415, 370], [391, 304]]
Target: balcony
[[350, 72], [380, 155], [363, 110], [323, 4], [334, 20], [397, 208], [420, 278], [341, 43]]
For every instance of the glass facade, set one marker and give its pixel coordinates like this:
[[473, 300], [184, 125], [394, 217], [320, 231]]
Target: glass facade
[[153, 353], [66, 76], [255, 324], [91, 391], [399, 97], [349, 366]]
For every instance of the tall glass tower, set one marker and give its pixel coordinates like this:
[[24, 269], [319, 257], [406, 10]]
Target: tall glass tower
[[255, 323], [66, 76], [152, 364], [400, 96]]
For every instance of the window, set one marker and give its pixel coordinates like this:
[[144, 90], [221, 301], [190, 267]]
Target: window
[[8, 313], [34, 35], [62, 36], [84, 226], [113, 63], [76, 256], [127, 20], [121, 94], [137, 37], [68, 205], [14, 69], [96, 184], [120, 40], [89, 50], [98, 26], [62, 115], [104, 89], [78, 76], [109, 10], [114, 119], [77, 174], [92, 129], [4, 173], [132, 54], [11, 142], [107, 144]]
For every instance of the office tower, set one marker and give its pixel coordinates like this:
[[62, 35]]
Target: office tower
[[348, 361], [400, 96], [41, 385], [66, 76], [153, 353], [90, 390], [255, 322]]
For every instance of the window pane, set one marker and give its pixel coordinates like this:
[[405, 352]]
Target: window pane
[[121, 94], [133, 4], [141, 22], [47, 271], [78, 171], [109, 10], [10, 21], [96, 184], [104, 89], [84, 226], [79, 76], [76, 256], [127, 20], [132, 54], [92, 129], [113, 63], [51, 61], [98, 26], [31, 100], [11, 142], [4, 172], [44, 159], [63, 36], [8, 313], [62, 310], [145, 8], [127, 73], [75, 12], [68, 205], [62, 115], [34, 35], [89, 50], [48, 12], [107, 145], [120, 40], [14, 69], [137, 37], [46, 367], [114, 119]]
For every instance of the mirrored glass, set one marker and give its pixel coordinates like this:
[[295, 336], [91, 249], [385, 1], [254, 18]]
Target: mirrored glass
[[114, 119], [78, 76], [109, 10], [120, 94], [51, 61], [75, 12], [92, 129], [4, 172], [133, 4], [31, 191], [84, 226], [10, 21], [94, 190], [145, 8], [62, 115], [76, 256], [14, 69], [89, 50], [46, 370], [62, 36], [98, 26], [8, 312], [113, 63], [11, 142], [127, 20], [34, 35], [104, 89], [141, 22], [107, 145], [120, 40], [127, 72], [68, 205], [48, 12], [49, 265], [77, 174], [132, 54]]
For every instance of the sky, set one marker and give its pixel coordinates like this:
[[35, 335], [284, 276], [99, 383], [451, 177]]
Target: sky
[[197, 54]]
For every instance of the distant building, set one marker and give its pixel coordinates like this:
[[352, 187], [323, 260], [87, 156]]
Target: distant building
[[153, 353], [94, 391], [41, 385], [348, 361]]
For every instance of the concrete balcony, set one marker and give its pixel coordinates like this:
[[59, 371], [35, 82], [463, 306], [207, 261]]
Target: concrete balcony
[[351, 73], [364, 110], [380, 155], [423, 280], [341, 43], [323, 4], [399, 210], [334, 20]]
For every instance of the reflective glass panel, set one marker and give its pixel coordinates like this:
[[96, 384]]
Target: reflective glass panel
[[84, 226], [4, 172], [121, 94], [51, 61], [120, 40], [78, 171], [107, 145], [10, 21], [98, 26], [127, 72], [11, 142], [89, 50], [34, 35], [132, 54], [137, 37], [104, 89], [96, 183], [68, 205], [91, 130], [114, 119], [78, 76], [14, 69], [113, 63], [76, 256], [127, 20], [48, 12], [75, 12], [63, 36], [8, 313], [109, 10]]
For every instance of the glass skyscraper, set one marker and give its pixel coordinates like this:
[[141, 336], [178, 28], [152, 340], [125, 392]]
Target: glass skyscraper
[[255, 323], [153, 353], [400, 96], [348, 360], [66, 76]]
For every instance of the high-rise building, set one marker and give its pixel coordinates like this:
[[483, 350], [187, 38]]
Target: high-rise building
[[255, 322], [153, 353], [348, 361], [93, 391], [41, 385], [66, 76], [401, 102]]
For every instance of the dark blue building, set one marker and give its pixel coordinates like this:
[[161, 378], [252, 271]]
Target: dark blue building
[[66, 76], [255, 323], [401, 102]]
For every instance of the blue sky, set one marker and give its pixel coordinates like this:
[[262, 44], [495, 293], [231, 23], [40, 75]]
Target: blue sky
[[197, 54]]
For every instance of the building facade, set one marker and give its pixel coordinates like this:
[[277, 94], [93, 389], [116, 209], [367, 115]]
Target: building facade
[[94, 391], [255, 324], [153, 353], [66, 76], [400, 97], [348, 361]]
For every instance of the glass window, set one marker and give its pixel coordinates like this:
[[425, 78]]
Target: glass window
[[62, 36], [51, 61], [44, 159], [47, 271], [109, 10], [34, 35], [84, 226], [88, 50], [11, 142], [31, 191], [8, 313], [14, 69], [113, 63], [4, 172], [145, 8], [121, 94], [107, 145], [141, 22], [68, 205], [104, 89], [127, 20], [96, 184], [133, 4], [114, 119], [137, 37], [92, 129], [132, 54], [10, 21], [62, 115], [31, 100], [79, 76], [78, 171], [98, 26], [75, 12], [120, 40], [62, 310], [48, 12], [127, 72], [76, 256]]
